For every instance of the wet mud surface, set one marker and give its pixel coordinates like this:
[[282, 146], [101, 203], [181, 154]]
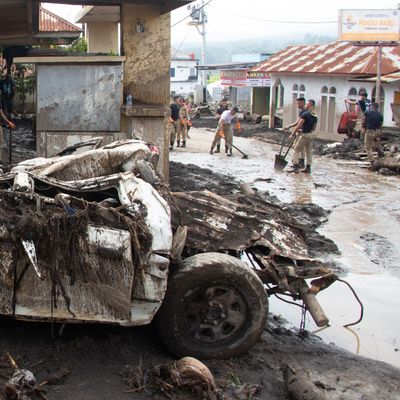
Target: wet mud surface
[[97, 361]]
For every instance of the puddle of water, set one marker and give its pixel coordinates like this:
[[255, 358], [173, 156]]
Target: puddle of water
[[378, 334], [364, 223]]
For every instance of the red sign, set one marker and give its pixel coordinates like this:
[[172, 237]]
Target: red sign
[[233, 77], [242, 77]]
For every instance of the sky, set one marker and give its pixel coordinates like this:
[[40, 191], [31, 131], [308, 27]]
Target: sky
[[230, 20]]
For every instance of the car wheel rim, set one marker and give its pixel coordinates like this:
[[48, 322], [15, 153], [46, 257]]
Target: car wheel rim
[[214, 314]]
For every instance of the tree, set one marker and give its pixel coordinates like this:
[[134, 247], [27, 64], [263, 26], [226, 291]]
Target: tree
[[77, 46], [25, 82]]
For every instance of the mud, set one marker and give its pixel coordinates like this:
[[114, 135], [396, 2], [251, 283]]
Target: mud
[[23, 140], [101, 358], [308, 217]]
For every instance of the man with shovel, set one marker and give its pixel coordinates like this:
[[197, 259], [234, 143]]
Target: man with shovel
[[304, 130], [225, 129], [301, 105]]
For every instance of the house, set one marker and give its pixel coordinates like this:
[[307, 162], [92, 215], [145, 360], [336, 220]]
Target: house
[[183, 73], [84, 98], [328, 74], [55, 30]]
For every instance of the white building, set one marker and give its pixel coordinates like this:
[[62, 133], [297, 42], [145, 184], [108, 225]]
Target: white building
[[183, 73], [328, 74]]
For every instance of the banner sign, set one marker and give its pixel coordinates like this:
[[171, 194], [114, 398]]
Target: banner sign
[[245, 78], [369, 25]]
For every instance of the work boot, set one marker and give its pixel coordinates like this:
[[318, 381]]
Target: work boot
[[212, 150], [226, 149], [230, 154], [218, 148], [178, 143], [302, 163], [183, 143], [307, 169], [171, 145], [295, 168]]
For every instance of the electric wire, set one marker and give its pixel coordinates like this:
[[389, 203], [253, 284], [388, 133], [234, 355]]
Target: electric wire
[[359, 302], [183, 41], [276, 21], [192, 13]]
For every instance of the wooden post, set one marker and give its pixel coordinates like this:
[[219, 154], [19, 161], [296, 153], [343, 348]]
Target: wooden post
[[378, 76]]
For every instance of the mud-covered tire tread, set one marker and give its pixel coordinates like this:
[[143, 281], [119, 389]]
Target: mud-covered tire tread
[[213, 267]]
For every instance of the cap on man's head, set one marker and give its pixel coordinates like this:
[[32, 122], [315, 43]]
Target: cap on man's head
[[364, 94], [235, 109]]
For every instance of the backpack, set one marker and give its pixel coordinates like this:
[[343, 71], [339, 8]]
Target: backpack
[[7, 89]]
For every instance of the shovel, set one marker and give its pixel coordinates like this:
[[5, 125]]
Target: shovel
[[245, 156], [280, 160]]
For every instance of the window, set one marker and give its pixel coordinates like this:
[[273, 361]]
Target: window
[[353, 93], [362, 90], [172, 72], [328, 109], [298, 91]]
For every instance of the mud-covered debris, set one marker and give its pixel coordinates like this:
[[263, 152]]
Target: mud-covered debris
[[247, 392], [20, 386], [186, 374], [299, 386]]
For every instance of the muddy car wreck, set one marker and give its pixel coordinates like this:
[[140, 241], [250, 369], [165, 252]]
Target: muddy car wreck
[[96, 236]]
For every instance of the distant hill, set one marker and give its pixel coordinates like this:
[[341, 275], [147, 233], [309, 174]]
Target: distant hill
[[220, 52]]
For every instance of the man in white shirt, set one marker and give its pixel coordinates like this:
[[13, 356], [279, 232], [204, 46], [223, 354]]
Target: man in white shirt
[[224, 129]]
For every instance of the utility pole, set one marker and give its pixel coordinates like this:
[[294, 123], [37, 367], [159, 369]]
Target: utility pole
[[378, 76], [199, 20]]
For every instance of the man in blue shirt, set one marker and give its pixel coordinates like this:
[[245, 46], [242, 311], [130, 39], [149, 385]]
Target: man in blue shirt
[[373, 121]]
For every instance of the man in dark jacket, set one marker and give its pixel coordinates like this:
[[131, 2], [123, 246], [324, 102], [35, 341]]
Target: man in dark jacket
[[373, 121], [7, 89]]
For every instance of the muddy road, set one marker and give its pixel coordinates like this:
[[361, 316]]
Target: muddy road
[[357, 217]]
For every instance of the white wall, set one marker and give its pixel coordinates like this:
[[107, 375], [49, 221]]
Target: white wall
[[183, 69], [313, 86]]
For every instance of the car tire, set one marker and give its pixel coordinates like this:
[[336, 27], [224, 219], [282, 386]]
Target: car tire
[[215, 307]]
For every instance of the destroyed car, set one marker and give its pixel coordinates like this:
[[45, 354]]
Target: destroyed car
[[96, 236]]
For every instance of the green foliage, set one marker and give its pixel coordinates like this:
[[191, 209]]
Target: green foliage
[[77, 46], [25, 81]]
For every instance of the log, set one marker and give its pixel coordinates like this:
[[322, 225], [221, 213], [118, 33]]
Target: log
[[312, 305], [299, 386]]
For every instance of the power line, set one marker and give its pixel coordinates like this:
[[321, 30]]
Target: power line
[[274, 20], [192, 13], [177, 50]]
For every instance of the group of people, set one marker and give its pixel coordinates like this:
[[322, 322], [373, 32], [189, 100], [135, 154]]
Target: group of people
[[180, 122], [368, 127]]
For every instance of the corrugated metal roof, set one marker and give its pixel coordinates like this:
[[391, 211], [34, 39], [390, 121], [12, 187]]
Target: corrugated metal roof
[[332, 58], [388, 78], [49, 22]]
